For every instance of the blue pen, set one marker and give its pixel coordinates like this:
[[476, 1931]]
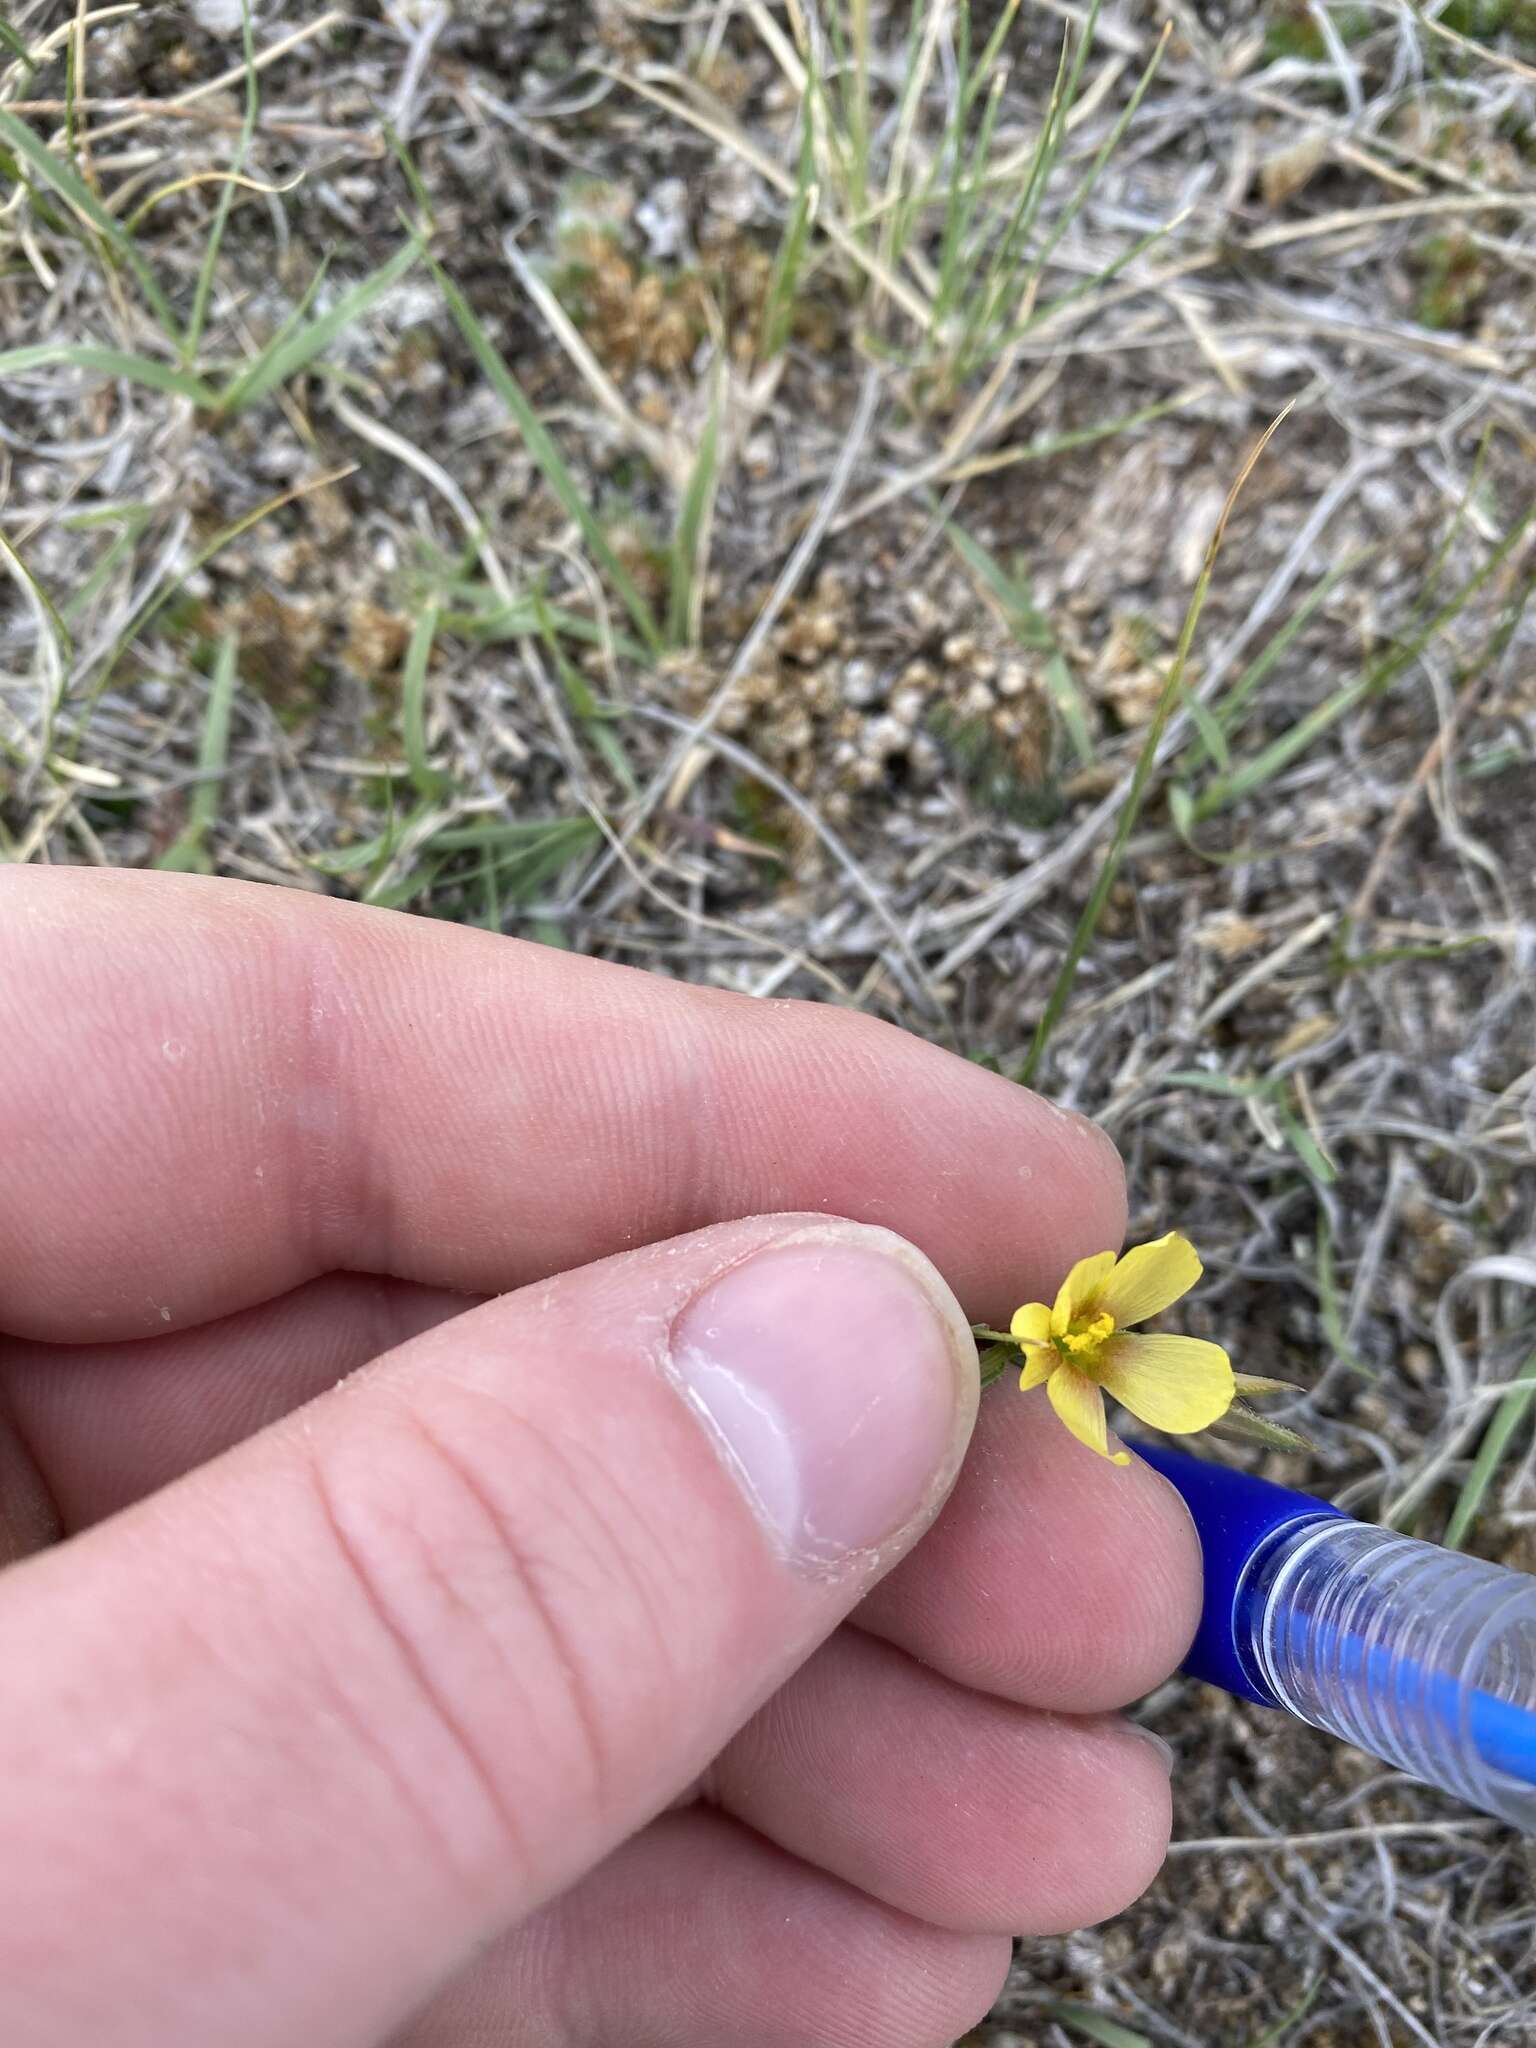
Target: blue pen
[[1423, 1657]]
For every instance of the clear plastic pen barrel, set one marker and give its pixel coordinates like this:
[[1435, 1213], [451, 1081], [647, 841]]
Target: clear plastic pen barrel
[[1419, 1655]]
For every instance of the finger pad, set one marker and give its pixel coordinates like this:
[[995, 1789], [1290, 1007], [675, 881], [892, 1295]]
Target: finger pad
[[1052, 1577]]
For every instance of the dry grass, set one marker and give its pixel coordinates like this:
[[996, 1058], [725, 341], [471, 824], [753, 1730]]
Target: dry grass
[[849, 708]]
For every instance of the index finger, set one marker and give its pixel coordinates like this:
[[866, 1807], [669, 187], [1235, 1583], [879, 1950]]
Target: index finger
[[212, 1091]]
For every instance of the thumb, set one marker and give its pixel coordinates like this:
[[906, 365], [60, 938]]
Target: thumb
[[302, 1730]]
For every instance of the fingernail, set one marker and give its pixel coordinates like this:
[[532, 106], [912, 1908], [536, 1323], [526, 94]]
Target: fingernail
[[832, 1374], [1150, 1736]]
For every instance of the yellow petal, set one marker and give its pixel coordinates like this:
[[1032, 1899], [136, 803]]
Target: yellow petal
[[1179, 1384], [1080, 1287], [1080, 1405], [1039, 1363], [1032, 1323], [1148, 1278]]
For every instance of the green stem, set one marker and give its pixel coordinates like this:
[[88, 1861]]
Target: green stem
[[1506, 1419]]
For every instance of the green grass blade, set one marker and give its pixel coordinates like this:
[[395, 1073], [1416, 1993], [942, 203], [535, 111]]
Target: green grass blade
[[789, 259], [197, 319], [1263, 766], [494, 619], [1107, 275], [292, 348], [1181, 815], [1273, 2036], [690, 543], [134, 520], [426, 213], [1253, 773], [995, 285], [1003, 278], [50, 621], [903, 202], [1389, 956], [1301, 1141], [595, 722], [1090, 178], [109, 362], [1216, 1084], [290, 324], [416, 881], [498, 834], [522, 874], [350, 860], [968, 181], [1141, 777], [1097, 2027], [1031, 629], [10, 40], [1208, 726], [855, 79], [1490, 1453], [429, 781], [77, 195], [71, 100], [827, 130], [1235, 700], [52, 616], [1045, 446], [548, 459], [188, 853], [515, 872]]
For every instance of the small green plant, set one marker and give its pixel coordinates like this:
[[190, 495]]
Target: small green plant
[[1454, 279], [948, 236], [471, 871], [1291, 30], [184, 370]]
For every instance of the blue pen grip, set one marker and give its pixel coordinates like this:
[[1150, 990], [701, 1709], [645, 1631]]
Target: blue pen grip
[[1419, 1655]]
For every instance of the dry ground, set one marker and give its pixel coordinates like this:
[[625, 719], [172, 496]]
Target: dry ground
[[336, 631]]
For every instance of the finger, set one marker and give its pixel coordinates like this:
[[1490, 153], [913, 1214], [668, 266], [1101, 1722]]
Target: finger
[[990, 1597], [106, 1424], [696, 1933], [214, 1091], [958, 1808], [392, 1674], [28, 1516], [1052, 1577]]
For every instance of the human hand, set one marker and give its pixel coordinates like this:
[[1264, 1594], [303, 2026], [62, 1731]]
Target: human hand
[[562, 1676]]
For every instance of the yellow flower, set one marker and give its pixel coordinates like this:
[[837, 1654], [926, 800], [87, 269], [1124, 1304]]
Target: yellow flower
[[1081, 1345]]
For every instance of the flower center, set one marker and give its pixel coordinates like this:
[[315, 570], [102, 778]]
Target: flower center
[[1085, 1337]]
